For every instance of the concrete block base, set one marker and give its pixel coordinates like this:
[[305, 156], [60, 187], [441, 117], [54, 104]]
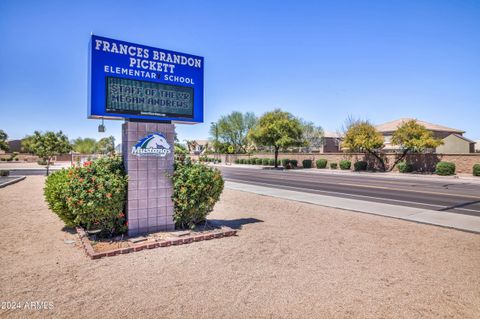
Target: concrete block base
[[149, 203]]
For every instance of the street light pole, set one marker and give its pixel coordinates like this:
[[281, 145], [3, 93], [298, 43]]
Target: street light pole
[[216, 136]]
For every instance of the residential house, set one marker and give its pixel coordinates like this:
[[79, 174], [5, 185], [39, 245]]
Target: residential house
[[197, 147], [331, 142], [453, 140], [14, 146]]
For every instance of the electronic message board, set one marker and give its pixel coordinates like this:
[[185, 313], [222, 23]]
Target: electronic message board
[[139, 82]]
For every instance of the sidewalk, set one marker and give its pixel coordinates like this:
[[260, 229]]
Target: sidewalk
[[462, 178], [419, 215]]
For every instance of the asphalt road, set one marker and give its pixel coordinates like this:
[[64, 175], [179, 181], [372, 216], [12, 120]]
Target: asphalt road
[[450, 196]]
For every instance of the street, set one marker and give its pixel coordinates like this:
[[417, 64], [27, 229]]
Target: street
[[449, 195]]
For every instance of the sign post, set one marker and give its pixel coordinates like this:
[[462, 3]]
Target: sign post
[[148, 158], [151, 89]]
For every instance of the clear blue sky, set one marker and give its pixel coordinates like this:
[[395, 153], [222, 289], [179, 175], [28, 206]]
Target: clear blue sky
[[321, 60]]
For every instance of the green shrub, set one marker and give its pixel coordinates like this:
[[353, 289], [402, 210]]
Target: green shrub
[[196, 189], [345, 164], [16, 159], [265, 161], [42, 161], [286, 162], [360, 166], [4, 172], [258, 161], [237, 161], [207, 159], [294, 163], [404, 167], [307, 163], [321, 163], [92, 196], [3, 159], [333, 165], [445, 168], [55, 195], [476, 170]]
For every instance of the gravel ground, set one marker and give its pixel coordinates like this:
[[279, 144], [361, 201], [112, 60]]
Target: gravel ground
[[289, 260]]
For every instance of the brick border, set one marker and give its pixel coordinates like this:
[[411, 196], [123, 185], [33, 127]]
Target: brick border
[[87, 246]]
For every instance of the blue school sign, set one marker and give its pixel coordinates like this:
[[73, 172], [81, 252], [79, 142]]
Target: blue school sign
[[133, 81]]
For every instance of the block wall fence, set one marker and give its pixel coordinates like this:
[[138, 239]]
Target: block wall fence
[[422, 162]]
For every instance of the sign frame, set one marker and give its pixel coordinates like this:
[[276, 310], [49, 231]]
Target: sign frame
[[104, 63]]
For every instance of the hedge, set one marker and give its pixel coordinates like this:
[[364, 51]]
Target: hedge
[[258, 161], [265, 161], [345, 164], [333, 165], [476, 170], [321, 163], [360, 166], [92, 196], [307, 163], [445, 168], [196, 189], [271, 162], [404, 167]]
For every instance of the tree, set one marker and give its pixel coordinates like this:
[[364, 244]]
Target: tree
[[191, 145], [106, 145], [312, 135], [27, 144], [361, 136], [277, 129], [180, 151], [50, 144], [3, 141], [232, 129], [412, 137], [84, 145]]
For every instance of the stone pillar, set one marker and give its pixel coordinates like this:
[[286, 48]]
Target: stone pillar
[[149, 203]]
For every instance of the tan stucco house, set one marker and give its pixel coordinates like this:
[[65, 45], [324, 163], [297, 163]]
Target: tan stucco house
[[197, 147], [331, 142], [453, 140]]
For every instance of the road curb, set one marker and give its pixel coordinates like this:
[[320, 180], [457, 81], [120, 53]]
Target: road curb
[[13, 181]]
